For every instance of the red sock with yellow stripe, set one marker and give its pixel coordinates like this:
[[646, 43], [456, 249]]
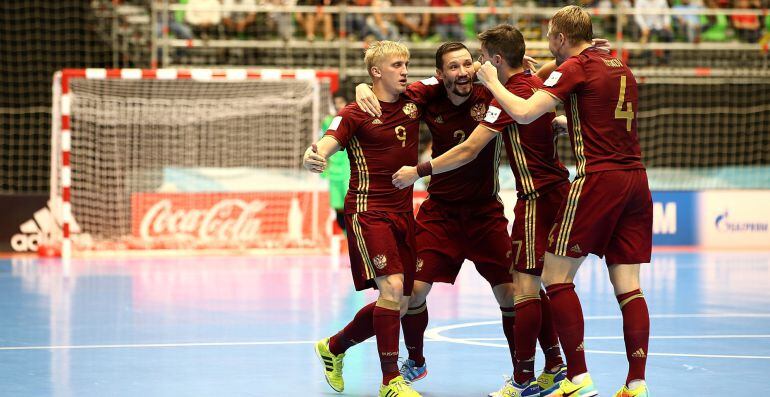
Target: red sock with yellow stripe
[[568, 319], [509, 330], [414, 323], [358, 330], [528, 319], [387, 327], [636, 332], [549, 340]]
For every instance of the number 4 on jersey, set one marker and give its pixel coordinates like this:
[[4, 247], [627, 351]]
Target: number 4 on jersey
[[619, 112]]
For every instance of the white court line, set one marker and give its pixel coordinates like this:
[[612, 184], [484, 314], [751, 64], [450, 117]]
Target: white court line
[[434, 335], [308, 342], [152, 345]]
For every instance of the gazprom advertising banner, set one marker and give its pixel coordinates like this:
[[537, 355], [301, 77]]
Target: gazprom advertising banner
[[735, 219], [712, 219]]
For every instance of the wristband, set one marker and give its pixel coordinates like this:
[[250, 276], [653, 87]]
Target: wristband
[[424, 169]]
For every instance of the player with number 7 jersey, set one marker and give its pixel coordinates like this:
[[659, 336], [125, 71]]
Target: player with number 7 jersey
[[608, 211]]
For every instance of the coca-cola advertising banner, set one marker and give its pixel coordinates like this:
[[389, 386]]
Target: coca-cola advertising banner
[[256, 219]]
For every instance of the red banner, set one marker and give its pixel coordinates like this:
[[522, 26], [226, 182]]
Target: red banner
[[211, 220]]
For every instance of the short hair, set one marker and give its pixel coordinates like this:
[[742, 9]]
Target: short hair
[[574, 23], [506, 41], [379, 51], [446, 48]]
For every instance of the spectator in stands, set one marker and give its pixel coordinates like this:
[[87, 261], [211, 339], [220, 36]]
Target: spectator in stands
[[355, 24], [240, 23], [381, 26], [688, 25], [713, 27], [306, 20], [448, 26], [204, 16], [326, 19], [416, 26], [281, 23], [656, 26], [747, 27], [486, 21], [176, 28], [607, 24]]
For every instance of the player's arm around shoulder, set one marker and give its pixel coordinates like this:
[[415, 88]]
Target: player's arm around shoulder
[[522, 111], [456, 157]]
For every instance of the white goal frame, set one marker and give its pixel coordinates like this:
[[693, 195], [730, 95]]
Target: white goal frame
[[61, 172]]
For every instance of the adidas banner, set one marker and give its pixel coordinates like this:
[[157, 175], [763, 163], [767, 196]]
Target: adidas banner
[[23, 224]]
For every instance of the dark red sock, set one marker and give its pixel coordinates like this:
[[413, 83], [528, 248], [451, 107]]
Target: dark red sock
[[509, 329], [568, 319], [636, 332], [358, 330], [387, 328], [549, 340], [414, 323], [528, 320]]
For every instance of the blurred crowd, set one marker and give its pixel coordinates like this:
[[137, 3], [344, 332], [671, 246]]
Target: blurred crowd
[[206, 20]]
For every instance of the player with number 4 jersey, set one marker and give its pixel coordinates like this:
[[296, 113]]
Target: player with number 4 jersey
[[608, 211]]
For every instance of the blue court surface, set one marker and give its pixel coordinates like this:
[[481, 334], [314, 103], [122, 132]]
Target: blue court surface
[[245, 326]]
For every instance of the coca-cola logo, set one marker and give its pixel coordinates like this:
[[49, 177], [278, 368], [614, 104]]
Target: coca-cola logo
[[227, 219]]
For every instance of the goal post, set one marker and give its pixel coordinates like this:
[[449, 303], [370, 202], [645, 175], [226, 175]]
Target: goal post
[[188, 159]]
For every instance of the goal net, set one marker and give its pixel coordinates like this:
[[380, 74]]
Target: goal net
[[188, 159]]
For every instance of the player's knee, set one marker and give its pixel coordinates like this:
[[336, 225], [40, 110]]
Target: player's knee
[[420, 292], [392, 287], [504, 294]]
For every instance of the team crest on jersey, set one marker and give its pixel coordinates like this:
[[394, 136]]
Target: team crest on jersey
[[376, 121], [419, 264], [410, 110], [478, 111], [380, 261]]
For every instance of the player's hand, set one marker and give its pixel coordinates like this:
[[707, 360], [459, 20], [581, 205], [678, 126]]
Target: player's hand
[[367, 101], [530, 63], [559, 125], [602, 44], [405, 177], [487, 74], [313, 161]]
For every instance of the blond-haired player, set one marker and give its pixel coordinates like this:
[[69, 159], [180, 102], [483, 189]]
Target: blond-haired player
[[379, 217]]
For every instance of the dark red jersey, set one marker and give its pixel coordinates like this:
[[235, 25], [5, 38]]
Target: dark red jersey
[[531, 147], [378, 147], [600, 97], [450, 125]]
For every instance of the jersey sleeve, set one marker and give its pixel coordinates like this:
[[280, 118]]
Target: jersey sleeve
[[496, 118], [343, 126], [565, 79], [425, 91]]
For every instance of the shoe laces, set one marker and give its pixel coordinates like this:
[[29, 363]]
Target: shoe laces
[[402, 385], [338, 363]]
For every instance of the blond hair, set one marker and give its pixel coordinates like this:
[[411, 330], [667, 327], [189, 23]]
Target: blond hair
[[574, 23], [380, 51]]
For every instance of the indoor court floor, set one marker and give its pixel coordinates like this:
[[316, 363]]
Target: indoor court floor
[[245, 326]]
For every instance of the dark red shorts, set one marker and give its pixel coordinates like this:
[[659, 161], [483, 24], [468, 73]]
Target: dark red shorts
[[449, 233], [608, 214], [381, 243], [533, 220]]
